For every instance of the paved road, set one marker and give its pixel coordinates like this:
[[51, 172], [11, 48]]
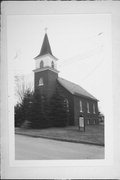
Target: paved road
[[29, 148]]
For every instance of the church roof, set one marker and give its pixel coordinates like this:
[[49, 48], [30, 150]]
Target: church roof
[[45, 49], [74, 88]]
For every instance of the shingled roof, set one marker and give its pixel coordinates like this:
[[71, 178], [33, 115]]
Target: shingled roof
[[45, 48], [74, 88]]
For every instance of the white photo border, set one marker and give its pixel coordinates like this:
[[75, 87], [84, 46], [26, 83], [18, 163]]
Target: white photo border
[[12, 168]]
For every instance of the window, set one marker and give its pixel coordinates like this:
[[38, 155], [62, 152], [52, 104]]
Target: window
[[66, 103], [80, 106], [41, 64], [41, 82], [88, 110], [52, 64], [93, 108]]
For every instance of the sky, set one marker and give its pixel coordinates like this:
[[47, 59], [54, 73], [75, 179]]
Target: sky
[[82, 44]]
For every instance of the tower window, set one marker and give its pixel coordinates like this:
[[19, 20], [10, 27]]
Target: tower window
[[93, 108], [80, 106], [41, 82], [41, 64], [52, 64], [88, 110]]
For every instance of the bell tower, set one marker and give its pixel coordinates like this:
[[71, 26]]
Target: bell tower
[[45, 72]]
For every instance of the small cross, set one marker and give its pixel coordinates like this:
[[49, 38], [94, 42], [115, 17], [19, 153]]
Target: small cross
[[46, 30]]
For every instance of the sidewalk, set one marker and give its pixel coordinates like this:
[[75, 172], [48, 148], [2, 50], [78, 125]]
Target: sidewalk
[[94, 134]]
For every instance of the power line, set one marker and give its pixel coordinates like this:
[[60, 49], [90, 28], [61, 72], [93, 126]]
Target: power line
[[85, 55], [82, 57], [93, 70]]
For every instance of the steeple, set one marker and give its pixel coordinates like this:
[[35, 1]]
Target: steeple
[[45, 59], [45, 49], [45, 72]]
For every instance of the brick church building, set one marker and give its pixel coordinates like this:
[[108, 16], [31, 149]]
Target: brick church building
[[46, 79]]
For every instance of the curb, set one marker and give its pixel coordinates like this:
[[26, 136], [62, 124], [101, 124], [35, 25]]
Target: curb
[[65, 140]]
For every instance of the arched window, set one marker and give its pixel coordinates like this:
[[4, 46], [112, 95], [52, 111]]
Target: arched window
[[41, 64], [41, 82], [81, 106], [52, 64], [93, 108], [66, 103], [88, 110]]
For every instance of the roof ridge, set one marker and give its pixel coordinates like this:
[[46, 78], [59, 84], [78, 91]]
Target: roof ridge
[[69, 81], [75, 89]]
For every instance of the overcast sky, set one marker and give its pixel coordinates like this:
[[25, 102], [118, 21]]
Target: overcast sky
[[82, 43]]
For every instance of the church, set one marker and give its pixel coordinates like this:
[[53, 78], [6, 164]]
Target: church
[[80, 103]]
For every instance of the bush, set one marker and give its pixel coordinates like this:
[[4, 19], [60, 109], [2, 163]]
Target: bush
[[41, 114], [23, 109], [58, 113], [18, 115]]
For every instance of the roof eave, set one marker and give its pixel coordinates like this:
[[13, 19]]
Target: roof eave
[[77, 94], [45, 55], [45, 68]]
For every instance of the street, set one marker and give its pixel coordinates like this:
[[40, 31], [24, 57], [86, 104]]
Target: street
[[30, 148]]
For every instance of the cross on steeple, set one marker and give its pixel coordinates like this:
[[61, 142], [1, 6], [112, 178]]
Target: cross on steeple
[[46, 30]]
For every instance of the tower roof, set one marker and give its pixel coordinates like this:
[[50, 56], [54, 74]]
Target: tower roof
[[45, 49]]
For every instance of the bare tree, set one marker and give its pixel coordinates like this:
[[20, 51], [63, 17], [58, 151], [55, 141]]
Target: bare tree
[[21, 87]]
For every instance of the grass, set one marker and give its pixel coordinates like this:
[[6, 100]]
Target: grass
[[94, 134]]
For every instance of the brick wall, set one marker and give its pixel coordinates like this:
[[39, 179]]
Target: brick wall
[[49, 80], [91, 118], [69, 96], [74, 103], [48, 89]]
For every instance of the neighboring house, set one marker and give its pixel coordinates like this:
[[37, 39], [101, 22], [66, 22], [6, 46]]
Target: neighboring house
[[78, 100]]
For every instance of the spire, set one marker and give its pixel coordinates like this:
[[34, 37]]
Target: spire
[[45, 46], [45, 49]]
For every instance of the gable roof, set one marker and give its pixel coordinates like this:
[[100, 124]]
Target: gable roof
[[74, 88]]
